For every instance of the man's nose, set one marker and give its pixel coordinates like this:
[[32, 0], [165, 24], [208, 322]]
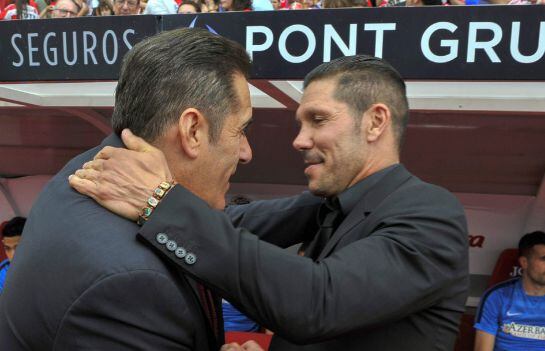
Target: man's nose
[[245, 151], [302, 141]]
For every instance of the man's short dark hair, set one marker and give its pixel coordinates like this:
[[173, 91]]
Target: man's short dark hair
[[14, 227], [364, 80], [530, 240], [175, 70], [241, 5]]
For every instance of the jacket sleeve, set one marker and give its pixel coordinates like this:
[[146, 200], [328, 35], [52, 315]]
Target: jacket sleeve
[[138, 310], [282, 222], [402, 265]]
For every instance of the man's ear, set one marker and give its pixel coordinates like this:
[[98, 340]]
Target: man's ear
[[523, 262], [379, 119], [193, 131]]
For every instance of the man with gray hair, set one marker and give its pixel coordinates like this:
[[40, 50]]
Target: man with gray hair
[[64, 9], [81, 280]]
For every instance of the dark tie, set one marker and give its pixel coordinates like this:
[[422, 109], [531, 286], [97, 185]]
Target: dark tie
[[329, 217]]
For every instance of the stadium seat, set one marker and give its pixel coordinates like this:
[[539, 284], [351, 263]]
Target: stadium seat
[[264, 340], [507, 267], [504, 269]]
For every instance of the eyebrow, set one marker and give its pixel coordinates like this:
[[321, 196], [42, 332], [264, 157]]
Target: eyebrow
[[313, 111]]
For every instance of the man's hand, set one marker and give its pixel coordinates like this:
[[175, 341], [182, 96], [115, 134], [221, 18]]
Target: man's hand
[[247, 346], [122, 180]]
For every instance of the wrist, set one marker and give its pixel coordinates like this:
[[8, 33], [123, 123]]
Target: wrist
[[153, 201]]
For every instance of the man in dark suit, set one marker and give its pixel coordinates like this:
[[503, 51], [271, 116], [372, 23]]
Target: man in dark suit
[[388, 268], [81, 280]]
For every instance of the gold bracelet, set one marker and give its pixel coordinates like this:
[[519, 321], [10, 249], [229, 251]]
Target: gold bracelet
[[158, 194]]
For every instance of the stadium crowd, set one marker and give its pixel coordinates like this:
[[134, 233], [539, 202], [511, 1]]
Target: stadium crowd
[[33, 9]]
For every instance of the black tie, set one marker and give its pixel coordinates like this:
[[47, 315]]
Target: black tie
[[329, 216]]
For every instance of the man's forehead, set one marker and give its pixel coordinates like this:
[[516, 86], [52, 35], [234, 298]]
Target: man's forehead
[[314, 101], [539, 249], [10, 240], [247, 116], [65, 4], [307, 108], [319, 90]]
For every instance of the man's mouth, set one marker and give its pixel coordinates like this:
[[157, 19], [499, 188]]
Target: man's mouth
[[312, 160], [311, 165]]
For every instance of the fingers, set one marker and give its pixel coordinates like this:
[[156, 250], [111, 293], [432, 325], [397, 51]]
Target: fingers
[[247, 346], [109, 152], [88, 174], [231, 347], [97, 164], [132, 142], [106, 153], [83, 186], [251, 346]]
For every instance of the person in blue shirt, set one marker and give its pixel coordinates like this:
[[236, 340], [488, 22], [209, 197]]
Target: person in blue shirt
[[11, 235], [511, 315]]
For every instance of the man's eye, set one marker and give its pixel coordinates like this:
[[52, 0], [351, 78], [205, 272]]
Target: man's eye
[[245, 130], [318, 119]]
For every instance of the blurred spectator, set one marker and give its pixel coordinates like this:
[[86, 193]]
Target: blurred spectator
[[126, 7], [62, 9], [262, 5], [511, 315], [11, 235], [235, 5], [486, 2], [333, 4], [424, 3], [21, 9], [275, 4], [303, 5], [161, 7], [210, 6], [526, 2], [42, 4], [189, 6], [104, 8]]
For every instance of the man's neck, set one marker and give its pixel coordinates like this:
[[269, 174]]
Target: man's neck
[[532, 289], [373, 167]]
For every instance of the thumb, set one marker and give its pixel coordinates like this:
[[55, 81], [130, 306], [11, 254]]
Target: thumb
[[135, 143]]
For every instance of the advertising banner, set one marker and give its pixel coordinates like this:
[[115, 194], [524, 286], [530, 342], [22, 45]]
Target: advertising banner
[[432, 43]]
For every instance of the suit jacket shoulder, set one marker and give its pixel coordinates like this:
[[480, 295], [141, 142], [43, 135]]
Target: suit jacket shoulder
[[73, 257]]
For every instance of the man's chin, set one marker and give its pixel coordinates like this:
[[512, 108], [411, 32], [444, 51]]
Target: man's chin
[[315, 189]]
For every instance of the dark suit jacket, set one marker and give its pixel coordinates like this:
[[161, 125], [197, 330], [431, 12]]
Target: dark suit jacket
[[82, 281], [393, 277]]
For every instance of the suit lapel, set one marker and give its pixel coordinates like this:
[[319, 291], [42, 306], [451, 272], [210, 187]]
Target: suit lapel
[[364, 208]]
